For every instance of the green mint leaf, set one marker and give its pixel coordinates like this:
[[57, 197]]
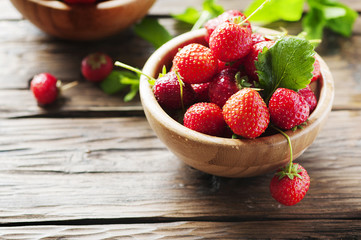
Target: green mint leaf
[[213, 8], [152, 31], [288, 64], [276, 10], [132, 93]]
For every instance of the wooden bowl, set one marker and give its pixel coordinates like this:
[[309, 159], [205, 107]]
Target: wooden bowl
[[82, 22], [222, 156]]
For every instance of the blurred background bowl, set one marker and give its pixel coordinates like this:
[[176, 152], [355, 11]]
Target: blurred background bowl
[[83, 22], [222, 156]]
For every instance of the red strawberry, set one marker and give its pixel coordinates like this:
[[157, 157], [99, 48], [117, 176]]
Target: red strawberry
[[246, 113], [316, 70], [257, 37], [205, 118], [195, 63], [223, 86], [236, 65], [201, 91], [44, 88], [309, 96], [168, 94], [212, 24], [96, 66], [287, 108], [249, 60], [230, 41], [288, 188]]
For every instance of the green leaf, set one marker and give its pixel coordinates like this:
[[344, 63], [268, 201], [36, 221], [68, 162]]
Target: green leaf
[[288, 10], [288, 64], [190, 16], [118, 80], [132, 93], [152, 31], [198, 18]]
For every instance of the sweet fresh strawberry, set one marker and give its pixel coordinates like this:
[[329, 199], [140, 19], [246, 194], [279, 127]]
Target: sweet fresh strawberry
[[205, 118], [201, 91], [225, 65], [230, 41], [79, 1], [309, 96], [246, 113], [316, 70], [44, 88], [167, 91], [195, 63], [96, 67], [212, 24], [223, 86], [287, 108], [257, 37], [252, 56], [290, 187]]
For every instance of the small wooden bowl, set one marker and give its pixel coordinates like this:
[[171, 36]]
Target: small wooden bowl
[[83, 22], [222, 156]]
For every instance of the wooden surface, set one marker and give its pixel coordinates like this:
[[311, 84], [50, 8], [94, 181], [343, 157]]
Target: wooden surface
[[90, 167]]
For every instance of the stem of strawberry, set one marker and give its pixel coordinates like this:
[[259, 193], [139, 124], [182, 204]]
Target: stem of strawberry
[[289, 144], [181, 90], [133, 69], [259, 8], [69, 85]]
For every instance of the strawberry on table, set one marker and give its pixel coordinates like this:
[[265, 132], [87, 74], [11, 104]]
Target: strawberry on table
[[195, 63], [167, 91], [289, 185], [95, 67], [288, 109], [230, 41], [246, 113], [44, 88], [205, 118]]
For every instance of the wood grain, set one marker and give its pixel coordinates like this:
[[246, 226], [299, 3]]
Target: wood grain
[[296, 229], [71, 169]]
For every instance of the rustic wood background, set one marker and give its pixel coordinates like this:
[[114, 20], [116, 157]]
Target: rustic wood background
[[90, 167]]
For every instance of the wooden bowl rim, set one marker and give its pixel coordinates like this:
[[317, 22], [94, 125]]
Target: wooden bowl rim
[[148, 100], [103, 5]]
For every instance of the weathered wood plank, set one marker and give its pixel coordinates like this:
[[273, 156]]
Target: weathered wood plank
[[297, 229], [68, 169]]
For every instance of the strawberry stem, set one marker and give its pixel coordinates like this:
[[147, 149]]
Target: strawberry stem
[[133, 69], [181, 90], [69, 85], [259, 8], [290, 146]]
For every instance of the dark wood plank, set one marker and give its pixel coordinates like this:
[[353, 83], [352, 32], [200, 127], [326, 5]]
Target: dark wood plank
[[297, 229], [71, 169]]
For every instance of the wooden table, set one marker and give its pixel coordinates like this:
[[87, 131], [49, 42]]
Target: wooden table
[[90, 167]]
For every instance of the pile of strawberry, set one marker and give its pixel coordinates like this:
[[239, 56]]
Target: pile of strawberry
[[218, 88]]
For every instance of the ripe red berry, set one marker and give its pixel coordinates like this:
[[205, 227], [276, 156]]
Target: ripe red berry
[[249, 60], [246, 113], [287, 108], [223, 86], [257, 37], [309, 96], [201, 91], [205, 118], [230, 41], [212, 24], [316, 70], [96, 66], [168, 94], [292, 188], [44, 88], [195, 63]]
